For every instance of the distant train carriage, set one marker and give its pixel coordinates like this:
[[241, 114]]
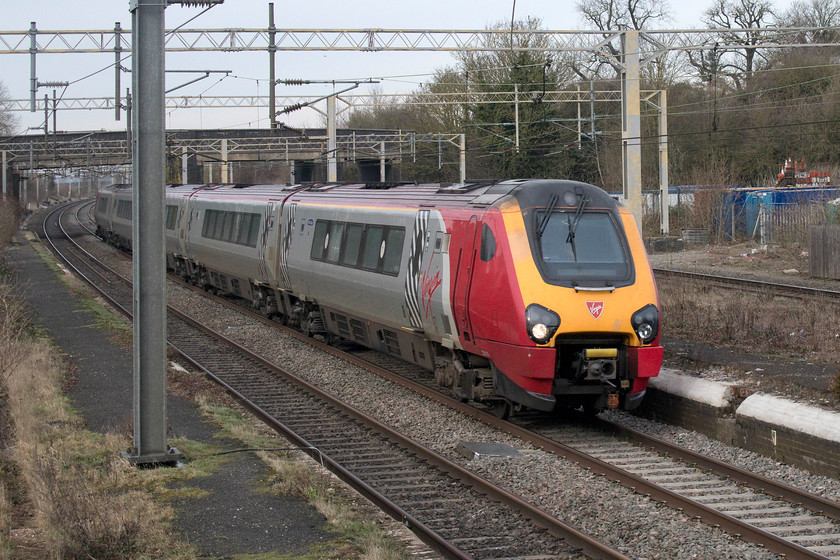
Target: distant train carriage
[[518, 293], [113, 215]]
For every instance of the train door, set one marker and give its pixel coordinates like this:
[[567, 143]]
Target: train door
[[418, 248], [463, 278], [266, 244]]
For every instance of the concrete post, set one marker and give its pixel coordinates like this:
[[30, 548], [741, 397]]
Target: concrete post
[[184, 165], [332, 141], [631, 130], [382, 162], [463, 158], [225, 167], [664, 224], [149, 262]]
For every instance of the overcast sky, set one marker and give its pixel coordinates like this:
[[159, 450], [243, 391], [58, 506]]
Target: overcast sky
[[403, 71]]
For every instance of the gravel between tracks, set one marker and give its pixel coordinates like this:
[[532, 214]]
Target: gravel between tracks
[[633, 524]]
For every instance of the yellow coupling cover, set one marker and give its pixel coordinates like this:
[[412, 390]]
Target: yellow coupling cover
[[593, 353]]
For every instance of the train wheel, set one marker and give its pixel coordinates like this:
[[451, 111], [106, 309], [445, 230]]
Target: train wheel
[[306, 326], [502, 409]]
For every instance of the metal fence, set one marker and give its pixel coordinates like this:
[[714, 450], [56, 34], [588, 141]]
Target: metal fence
[[788, 223]]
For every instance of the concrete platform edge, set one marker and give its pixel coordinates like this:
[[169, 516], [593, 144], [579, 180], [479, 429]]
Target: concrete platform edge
[[800, 435]]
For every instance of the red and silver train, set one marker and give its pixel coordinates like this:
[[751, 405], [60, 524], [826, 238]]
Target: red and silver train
[[533, 293]]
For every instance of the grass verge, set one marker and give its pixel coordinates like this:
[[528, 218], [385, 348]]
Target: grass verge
[[64, 491]]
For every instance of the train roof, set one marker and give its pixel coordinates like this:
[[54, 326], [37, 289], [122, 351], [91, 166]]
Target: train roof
[[476, 194]]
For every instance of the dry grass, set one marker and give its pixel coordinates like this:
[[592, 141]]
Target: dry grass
[[757, 322], [9, 220], [5, 524], [84, 500], [65, 493], [293, 474]]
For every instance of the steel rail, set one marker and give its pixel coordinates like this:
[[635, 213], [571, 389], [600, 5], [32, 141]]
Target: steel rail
[[819, 504], [758, 286]]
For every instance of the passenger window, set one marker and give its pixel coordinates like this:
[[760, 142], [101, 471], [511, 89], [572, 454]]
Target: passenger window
[[318, 240], [236, 220], [171, 215], [254, 232], [244, 230], [488, 243], [220, 225], [373, 240], [393, 251], [334, 242], [209, 223], [352, 244]]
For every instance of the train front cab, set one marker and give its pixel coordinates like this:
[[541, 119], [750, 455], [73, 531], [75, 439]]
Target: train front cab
[[583, 325]]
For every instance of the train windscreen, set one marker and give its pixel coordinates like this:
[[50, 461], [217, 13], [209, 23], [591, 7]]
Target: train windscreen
[[582, 246]]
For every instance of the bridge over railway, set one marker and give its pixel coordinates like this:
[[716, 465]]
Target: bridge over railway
[[224, 156]]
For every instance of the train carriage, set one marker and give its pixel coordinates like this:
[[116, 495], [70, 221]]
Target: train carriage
[[517, 293]]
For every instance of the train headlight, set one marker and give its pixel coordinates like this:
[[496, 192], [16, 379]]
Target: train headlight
[[645, 322], [541, 323]]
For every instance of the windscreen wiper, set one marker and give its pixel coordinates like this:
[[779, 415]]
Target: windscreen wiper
[[552, 204], [574, 224]]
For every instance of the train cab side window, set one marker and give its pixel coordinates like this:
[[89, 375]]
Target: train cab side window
[[171, 216], [102, 205], [488, 243], [442, 242]]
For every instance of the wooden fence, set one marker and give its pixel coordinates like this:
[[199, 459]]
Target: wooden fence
[[824, 252]]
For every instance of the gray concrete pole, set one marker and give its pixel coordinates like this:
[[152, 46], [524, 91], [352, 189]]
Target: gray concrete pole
[[631, 130], [148, 202], [225, 165], [272, 49], [664, 220], [382, 162], [117, 70], [516, 113], [185, 159], [33, 78], [332, 161], [462, 153]]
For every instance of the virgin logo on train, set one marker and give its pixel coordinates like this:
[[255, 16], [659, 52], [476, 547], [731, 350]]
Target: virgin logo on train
[[595, 308]]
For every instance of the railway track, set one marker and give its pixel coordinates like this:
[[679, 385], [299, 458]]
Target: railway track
[[454, 511], [747, 285], [781, 518]]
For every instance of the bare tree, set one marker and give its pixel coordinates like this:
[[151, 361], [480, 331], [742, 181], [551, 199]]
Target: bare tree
[[611, 16], [813, 14], [7, 119], [749, 15]]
